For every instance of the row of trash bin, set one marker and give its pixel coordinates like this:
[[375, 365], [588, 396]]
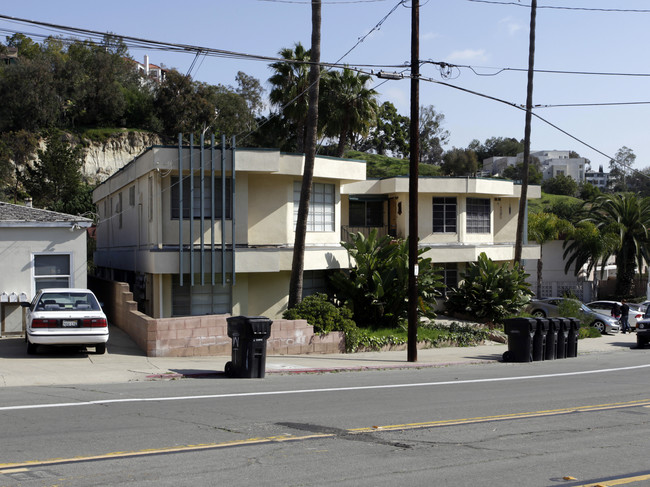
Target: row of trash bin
[[535, 339]]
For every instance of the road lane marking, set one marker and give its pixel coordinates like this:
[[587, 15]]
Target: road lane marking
[[104, 402], [4, 467], [618, 481]]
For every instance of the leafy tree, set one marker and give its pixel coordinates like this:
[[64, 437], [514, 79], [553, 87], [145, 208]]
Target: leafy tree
[[516, 172], [566, 210], [588, 191], [490, 291], [54, 181], [432, 135], [639, 182], [289, 93], [460, 162], [349, 108], [27, 48], [250, 89], [19, 149], [627, 217], [560, 184], [619, 167], [543, 228], [376, 288], [390, 136], [496, 147]]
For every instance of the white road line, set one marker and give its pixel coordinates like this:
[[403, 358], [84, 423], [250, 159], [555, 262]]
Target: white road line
[[309, 391]]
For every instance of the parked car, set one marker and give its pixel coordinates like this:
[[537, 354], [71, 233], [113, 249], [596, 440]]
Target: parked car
[[605, 308], [544, 308], [65, 317]]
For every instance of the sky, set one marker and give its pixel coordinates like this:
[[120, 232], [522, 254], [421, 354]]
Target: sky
[[487, 40]]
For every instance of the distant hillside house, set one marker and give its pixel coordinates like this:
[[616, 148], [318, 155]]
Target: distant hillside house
[[151, 71], [553, 163]]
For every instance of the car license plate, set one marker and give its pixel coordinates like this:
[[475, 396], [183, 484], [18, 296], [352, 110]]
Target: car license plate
[[69, 323]]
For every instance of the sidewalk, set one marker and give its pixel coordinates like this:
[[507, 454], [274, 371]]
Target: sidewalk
[[125, 362]]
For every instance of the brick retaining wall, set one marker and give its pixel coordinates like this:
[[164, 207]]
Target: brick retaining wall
[[201, 335]]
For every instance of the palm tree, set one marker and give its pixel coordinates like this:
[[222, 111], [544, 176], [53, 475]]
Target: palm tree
[[290, 86], [586, 246], [627, 217], [542, 228], [349, 107]]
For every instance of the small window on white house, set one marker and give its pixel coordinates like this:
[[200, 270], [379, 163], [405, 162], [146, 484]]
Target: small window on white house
[[51, 270]]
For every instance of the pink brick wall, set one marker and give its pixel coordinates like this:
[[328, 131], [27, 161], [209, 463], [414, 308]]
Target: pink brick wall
[[202, 335]]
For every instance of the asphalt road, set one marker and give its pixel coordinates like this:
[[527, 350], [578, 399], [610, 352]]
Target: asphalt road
[[570, 423]]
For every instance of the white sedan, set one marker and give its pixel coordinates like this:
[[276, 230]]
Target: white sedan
[[65, 316]]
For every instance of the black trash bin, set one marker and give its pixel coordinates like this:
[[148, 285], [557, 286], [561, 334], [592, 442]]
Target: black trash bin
[[249, 335], [572, 345], [551, 339], [563, 325], [539, 339], [520, 332]]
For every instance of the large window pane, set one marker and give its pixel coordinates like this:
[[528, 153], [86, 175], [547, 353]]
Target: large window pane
[[444, 215], [478, 215], [51, 270], [188, 300], [321, 207], [196, 200]]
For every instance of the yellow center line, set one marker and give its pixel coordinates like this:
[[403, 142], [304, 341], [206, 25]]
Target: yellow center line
[[10, 467], [620, 481]]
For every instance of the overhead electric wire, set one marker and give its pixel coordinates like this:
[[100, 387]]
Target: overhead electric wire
[[558, 7]]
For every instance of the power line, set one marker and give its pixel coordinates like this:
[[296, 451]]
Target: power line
[[558, 7]]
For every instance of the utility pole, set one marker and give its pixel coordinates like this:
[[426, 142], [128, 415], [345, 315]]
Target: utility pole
[[523, 207], [412, 347]]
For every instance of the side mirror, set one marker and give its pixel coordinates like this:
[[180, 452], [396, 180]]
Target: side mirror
[[25, 304]]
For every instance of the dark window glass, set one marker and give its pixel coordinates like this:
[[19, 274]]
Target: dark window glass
[[444, 215], [207, 197], [478, 215]]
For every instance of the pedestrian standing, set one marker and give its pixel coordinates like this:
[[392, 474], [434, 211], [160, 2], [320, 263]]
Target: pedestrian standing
[[625, 314]]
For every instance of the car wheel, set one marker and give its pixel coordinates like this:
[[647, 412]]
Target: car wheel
[[599, 325], [100, 348], [538, 313], [31, 348]]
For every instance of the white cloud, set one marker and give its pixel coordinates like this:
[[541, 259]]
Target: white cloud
[[430, 36], [511, 25], [466, 55]]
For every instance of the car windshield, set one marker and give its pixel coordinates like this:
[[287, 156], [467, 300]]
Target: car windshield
[[67, 301]]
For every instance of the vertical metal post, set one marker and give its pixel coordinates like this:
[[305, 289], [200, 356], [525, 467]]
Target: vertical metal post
[[223, 210], [191, 209], [232, 209], [414, 149], [180, 207], [212, 252], [201, 195]]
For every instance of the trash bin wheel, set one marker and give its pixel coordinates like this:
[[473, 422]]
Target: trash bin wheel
[[507, 356], [229, 369]]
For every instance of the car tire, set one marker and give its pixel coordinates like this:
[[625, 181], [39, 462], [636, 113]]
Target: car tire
[[538, 313], [31, 348], [100, 348], [599, 325]]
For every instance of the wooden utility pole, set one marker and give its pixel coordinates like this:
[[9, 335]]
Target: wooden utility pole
[[523, 207], [414, 153], [298, 264]]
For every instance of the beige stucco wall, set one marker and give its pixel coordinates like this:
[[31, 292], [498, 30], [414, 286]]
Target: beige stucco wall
[[19, 244]]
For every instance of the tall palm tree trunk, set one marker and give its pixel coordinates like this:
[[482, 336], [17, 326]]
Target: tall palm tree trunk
[[298, 264]]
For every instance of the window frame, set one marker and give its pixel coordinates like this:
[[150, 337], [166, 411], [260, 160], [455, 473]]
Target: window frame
[[207, 198], [478, 215], [56, 276], [322, 213], [445, 214]]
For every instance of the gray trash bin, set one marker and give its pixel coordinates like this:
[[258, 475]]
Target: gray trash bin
[[249, 335], [520, 332]]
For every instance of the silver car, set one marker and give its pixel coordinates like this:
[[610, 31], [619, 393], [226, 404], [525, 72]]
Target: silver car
[[606, 307], [544, 308]]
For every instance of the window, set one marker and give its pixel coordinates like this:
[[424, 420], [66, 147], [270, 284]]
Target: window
[[444, 215], [449, 277], [366, 213], [198, 300], [314, 282], [478, 215], [51, 270], [321, 207], [132, 196], [207, 197]]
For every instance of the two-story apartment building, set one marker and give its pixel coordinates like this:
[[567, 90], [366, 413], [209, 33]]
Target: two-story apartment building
[[211, 231], [458, 218]]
